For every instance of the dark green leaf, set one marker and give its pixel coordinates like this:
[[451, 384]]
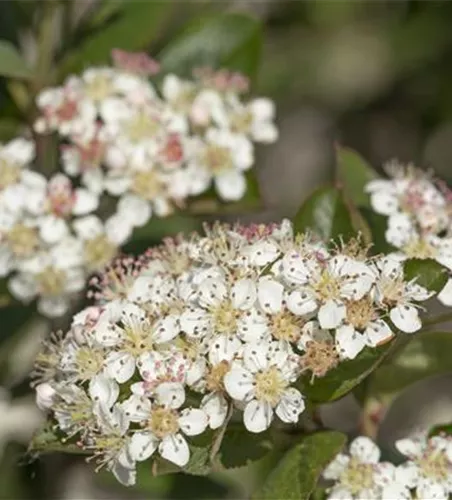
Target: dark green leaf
[[325, 214], [427, 273], [47, 440], [225, 41], [441, 430], [11, 62], [377, 224], [296, 475], [426, 354], [347, 375], [133, 28], [9, 129], [353, 173], [239, 447]]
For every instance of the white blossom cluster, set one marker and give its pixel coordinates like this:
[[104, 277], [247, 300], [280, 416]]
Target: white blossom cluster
[[419, 211], [426, 474], [201, 330], [154, 145], [128, 149], [50, 238]]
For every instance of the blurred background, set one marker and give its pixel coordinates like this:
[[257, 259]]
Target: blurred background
[[375, 76]]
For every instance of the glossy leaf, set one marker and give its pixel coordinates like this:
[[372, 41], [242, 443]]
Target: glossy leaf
[[424, 355], [238, 439], [12, 63], [353, 173], [133, 27], [325, 214], [427, 273], [296, 475], [347, 375], [229, 40]]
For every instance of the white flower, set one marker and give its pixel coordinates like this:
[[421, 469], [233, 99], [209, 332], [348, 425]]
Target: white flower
[[165, 426], [398, 295], [45, 394], [262, 383], [429, 468]]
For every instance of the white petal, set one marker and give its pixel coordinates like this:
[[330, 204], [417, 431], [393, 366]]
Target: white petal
[[290, 406], [216, 409], [142, 445], [85, 202], [134, 209], [170, 394], [301, 303], [257, 416], [231, 186], [44, 396], [120, 366], [195, 322], [193, 421], [270, 295], [88, 227], [224, 348], [256, 356], [53, 229], [349, 343], [239, 383], [411, 448], [103, 390], [365, 450], [175, 449], [331, 314], [166, 329], [384, 202], [405, 318], [243, 294], [336, 467], [212, 292], [137, 408], [124, 475], [377, 333]]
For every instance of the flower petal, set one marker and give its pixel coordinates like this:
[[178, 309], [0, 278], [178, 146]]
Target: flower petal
[[257, 416], [193, 421], [175, 449]]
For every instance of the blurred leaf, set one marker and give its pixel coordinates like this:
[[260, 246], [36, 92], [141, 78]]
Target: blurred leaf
[[208, 203], [103, 11], [353, 173], [296, 475], [347, 375], [326, 214], [240, 447], [46, 440], [427, 273], [134, 27], [11, 483], [377, 224], [425, 355], [441, 430], [228, 40], [12, 63]]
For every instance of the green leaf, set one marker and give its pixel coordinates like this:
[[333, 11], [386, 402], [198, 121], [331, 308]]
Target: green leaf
[[347, 375], [239, 447], [377, 224], [296, 475], [426, 354], [12, 63], [441, 430], [47, 440], [133, 28], [353, 173], [229, 40], [325, 214], [427, 273]]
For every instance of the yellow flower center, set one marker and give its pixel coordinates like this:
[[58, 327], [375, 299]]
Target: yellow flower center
[[138, 337], [99, 88], [163, 422], [435, 465], [99, 251], [392, 289], [9, 174], [224, 317], [361, 312], [241, 122], [215, 377], [270, 385], [218, 159], [147, 185], [420, 249], [89, 362], [328, 287], [286, 326], [51, 281], [357, 476], [141, 127], [23, 240], [319, 357]]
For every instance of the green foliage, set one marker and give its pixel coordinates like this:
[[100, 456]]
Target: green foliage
[[347, 375], [229, 40], [326, 214], [377, 224], [441, 430], [426, 354], [427, 273], [133, 27], [238, 439], [353, 173], [48, 440], [296, 475], [12, 63]]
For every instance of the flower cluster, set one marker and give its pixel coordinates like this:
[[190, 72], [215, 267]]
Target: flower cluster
[[122, 140], [217, 326], [427, 472], [419, 211], [153, 146]]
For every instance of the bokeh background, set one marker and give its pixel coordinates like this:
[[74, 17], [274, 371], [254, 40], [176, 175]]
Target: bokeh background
[[375, 76]]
